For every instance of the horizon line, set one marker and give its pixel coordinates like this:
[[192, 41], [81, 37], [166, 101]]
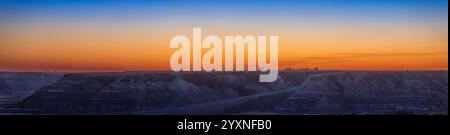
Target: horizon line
[[124, 71]]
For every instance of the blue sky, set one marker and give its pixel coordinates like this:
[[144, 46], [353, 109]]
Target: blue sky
[[284, 10], [63, 34]]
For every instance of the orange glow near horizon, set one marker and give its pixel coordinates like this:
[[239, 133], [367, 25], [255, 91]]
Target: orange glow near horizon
[[130, 47], [85, 36]]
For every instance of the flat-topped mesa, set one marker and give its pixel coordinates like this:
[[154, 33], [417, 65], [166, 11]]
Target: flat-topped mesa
[[256, 47]]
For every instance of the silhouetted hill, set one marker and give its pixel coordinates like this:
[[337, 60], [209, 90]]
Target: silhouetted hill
[[295, 92]]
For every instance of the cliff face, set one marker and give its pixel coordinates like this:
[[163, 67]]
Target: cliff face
[[23, 83], [295, 92], [370, 93], [127, 92], [15, 86]]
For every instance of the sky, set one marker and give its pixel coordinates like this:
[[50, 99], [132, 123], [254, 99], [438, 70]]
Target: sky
[[124, 35]]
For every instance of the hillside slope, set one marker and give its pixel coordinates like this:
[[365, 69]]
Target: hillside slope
[[311, 92]]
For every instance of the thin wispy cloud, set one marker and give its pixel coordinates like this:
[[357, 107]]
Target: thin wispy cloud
[[361, 55], [350, 57]]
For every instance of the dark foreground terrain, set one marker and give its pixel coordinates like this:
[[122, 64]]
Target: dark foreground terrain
[[295, 92]]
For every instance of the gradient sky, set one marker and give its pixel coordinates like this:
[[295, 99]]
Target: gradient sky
[[99, 35]]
